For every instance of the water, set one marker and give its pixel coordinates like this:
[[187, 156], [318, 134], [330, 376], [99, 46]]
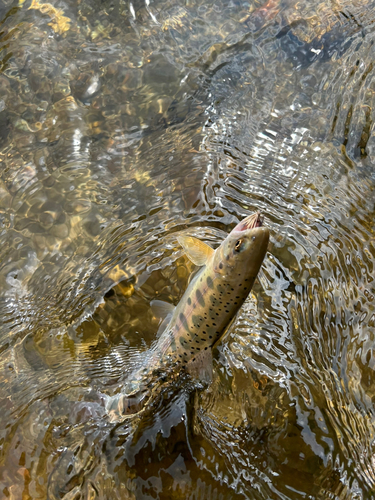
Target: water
[[124, 123]]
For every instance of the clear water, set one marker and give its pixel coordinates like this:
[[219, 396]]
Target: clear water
[[124, 123]]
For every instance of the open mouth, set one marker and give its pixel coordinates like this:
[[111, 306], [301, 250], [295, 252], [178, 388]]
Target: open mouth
[[252, 221]]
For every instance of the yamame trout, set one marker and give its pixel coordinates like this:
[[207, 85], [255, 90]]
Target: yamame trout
[[201, 318]]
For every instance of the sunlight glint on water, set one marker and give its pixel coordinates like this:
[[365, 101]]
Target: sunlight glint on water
[[124, 123]]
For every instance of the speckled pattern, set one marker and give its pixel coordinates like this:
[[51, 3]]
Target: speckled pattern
[[203, 314], [126, 124]]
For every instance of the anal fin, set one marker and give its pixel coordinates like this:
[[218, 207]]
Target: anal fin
[[200, 367]]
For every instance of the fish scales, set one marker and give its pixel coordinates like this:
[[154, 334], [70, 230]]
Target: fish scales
[[203, 314], [201, 324]]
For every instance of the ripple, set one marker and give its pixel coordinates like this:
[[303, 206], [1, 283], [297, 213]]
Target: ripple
[[127, 124]]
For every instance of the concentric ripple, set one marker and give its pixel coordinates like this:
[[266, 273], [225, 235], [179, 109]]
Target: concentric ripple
[[124, 123]]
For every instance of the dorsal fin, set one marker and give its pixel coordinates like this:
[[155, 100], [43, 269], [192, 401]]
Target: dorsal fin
[[163, 311], [197, 251]]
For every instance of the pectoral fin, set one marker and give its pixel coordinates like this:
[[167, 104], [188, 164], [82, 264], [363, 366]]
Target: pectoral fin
[[197, 251], [200, 367]]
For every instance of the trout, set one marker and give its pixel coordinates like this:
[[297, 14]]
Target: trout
[[209, 305]]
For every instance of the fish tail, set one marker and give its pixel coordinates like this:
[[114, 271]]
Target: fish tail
[[122, 406], [133, 396]]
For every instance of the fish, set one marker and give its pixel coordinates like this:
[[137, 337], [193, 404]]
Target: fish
[[200, 320]]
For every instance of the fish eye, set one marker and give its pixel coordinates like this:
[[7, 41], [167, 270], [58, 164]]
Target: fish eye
[[237, 246]]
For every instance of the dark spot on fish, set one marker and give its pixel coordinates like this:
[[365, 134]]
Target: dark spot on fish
[[173, 341], [180, 355], [204, 332], [227, 257], [210, 283], [213, 324], [210, 337], [217, 314], [240, 284], [189, 301], [221, 265], [235, 303], [237, 296], [193, 359], [226, 311], [208, 326], [200, 298], [205, 348], [194, 305], [232, 289], [185, 361], [246, 279], [201, 280], [184, 321], [182, 341]]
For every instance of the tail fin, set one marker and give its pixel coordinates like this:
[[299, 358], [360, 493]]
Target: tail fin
[[124, 406]]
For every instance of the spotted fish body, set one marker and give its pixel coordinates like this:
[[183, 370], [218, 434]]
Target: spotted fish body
[[203, 314]]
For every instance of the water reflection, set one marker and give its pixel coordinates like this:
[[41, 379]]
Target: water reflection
[[122, 124]]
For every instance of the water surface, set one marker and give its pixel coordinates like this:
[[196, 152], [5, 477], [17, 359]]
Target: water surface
[[123, 124]]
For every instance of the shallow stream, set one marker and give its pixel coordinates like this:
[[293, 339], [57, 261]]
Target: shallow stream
[[123, 124]]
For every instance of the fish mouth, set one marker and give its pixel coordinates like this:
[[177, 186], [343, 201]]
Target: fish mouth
[[250, 222]]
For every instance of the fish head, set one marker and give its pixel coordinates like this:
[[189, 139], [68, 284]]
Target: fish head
[[243, 250]]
